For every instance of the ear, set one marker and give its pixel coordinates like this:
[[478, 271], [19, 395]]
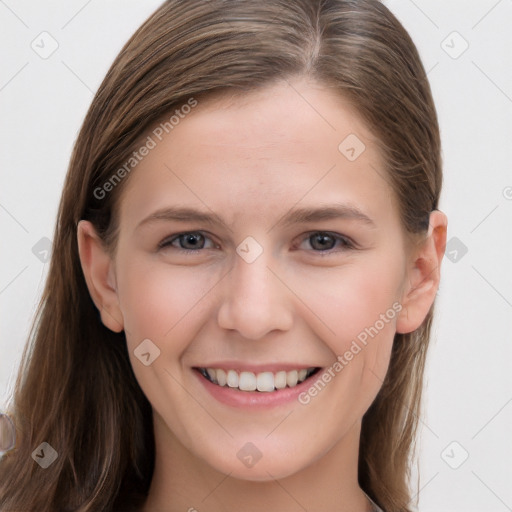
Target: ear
[[98, 269], [423, 275]]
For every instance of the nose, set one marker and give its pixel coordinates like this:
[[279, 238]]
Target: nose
[[255, 301]]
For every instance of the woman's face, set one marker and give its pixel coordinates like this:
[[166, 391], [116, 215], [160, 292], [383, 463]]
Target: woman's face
[[258, 243]]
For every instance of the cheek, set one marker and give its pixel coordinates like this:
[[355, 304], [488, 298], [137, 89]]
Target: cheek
[[157, 300], [351, 299], [359, 305]]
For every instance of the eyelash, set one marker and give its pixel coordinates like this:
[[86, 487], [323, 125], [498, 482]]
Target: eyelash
[[346, 242]]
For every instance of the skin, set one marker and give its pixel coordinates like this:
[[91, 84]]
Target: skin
[[251, 160]]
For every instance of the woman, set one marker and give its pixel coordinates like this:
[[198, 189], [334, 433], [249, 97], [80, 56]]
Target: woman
[[245, 262]]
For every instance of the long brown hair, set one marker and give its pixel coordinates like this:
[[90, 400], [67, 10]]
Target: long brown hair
[[76, 389]]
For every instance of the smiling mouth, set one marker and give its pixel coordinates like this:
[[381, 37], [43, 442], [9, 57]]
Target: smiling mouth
[[266, 382]]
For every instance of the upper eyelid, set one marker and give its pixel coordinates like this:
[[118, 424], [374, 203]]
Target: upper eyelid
[[171, 238], [338, 236]]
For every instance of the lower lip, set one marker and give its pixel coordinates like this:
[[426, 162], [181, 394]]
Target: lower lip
[[255, 399]]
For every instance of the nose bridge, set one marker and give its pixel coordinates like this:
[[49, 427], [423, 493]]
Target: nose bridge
[[255, 302]]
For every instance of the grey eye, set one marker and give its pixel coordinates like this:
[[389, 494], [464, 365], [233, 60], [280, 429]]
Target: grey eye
[[191, 241], [322, 241]]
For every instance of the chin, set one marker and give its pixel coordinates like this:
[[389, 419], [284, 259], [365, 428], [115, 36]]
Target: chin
[[259, 473], [252, 465]]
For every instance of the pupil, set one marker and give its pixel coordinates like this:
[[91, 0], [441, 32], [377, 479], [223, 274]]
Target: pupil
[[321, 241], [192, 241]]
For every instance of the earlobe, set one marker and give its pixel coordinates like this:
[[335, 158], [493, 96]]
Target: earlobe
[[98, 269], [423, 275]]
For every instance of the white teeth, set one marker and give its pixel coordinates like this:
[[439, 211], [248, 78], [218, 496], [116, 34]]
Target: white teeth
[[264, 381], [247, 381], [292, 378], [221, 377], [280, 380], [232, 379], [211, 374]]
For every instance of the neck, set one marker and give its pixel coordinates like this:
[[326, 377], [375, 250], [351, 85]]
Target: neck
[[183, 482]]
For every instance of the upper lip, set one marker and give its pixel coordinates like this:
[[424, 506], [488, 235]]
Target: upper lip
[[256, 368]]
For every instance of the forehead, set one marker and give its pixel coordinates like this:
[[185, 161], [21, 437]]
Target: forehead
[[262, 152]]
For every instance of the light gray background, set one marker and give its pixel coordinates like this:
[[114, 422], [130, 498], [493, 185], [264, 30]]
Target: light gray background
[[468, 405]]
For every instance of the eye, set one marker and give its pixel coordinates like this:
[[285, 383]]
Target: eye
[[192, 241], [326, 242]]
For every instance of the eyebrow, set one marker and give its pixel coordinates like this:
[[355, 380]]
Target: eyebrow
[[294, 216], [182, 214], [327, 212]]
